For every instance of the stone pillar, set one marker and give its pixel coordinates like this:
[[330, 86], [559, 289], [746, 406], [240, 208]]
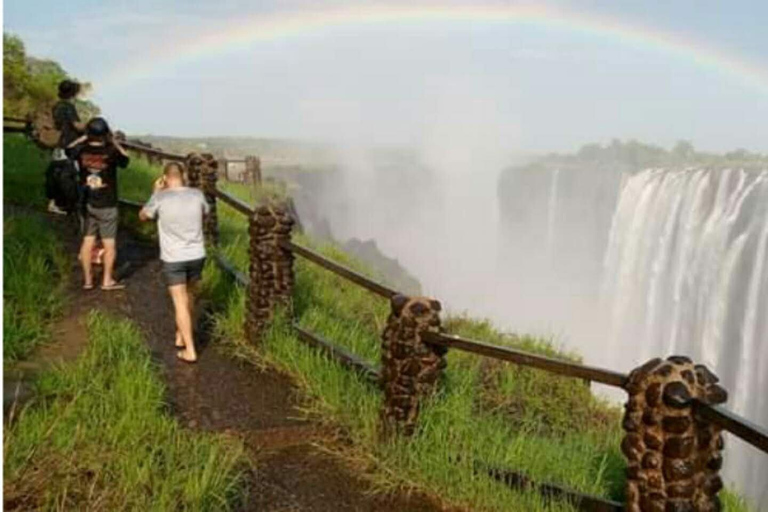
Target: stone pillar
[[271, 268], [673, 458], [410, 367], [194, 163], [209, 174], [253, 169], [202, 173]]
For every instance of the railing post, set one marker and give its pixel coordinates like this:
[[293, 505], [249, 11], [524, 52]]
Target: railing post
[[411, 368], [271, 268], [253, 169], [202, 173], [673, 458], [193, 163]]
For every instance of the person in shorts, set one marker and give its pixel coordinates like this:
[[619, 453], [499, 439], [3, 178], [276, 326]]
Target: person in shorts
[[179, 211], [98, 156]]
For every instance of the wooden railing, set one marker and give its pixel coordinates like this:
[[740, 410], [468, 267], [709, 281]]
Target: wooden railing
[[674, 389]]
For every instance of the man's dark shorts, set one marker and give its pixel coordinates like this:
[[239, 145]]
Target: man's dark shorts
[[182, 272], [102, 222]]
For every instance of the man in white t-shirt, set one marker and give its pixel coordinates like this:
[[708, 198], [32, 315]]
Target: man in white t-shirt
[[179, 211]]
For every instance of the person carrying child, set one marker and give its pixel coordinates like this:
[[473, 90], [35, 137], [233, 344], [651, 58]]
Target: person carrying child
[[61, 174]]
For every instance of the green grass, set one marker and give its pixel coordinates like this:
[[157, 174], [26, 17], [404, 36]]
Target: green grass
[[23, 171], [35, 273], [97, 438], [548, 427]]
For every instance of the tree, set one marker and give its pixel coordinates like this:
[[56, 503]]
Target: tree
[[31, 84]]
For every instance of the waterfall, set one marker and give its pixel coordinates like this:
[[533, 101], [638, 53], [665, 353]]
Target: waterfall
[[552, 215], [685, 272]]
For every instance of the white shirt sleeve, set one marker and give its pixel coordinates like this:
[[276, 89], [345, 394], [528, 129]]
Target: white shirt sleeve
[[152, 206]]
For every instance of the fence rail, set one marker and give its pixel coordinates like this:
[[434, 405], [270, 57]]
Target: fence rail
[[520, 357], [340, 270], [153, 151], [344, 357], [235, 203]]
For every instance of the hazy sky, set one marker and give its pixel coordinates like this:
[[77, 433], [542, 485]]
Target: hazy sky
[[539, 86]]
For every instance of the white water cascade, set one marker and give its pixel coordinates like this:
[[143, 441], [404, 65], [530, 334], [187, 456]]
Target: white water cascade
[[686, 272]]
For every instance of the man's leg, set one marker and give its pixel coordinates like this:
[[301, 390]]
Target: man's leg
[[180, 299], [191, 307], [108, 231], [85, 260], [110, 254]]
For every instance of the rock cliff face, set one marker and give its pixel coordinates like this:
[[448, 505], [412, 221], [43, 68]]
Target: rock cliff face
[[317, 202]]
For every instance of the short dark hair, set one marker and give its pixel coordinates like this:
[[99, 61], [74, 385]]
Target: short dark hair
[[97, 128], [68, 89]]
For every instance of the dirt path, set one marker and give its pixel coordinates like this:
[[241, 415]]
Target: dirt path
[[220, 393]]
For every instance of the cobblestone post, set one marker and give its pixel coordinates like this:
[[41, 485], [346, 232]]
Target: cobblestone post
[[202, 173], [194, 163], [271, 268], [411, 368], [209, 176], [674, 459]]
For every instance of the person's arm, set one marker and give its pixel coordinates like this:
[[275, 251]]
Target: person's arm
[[73, 150], [122, 155], [149, 210]]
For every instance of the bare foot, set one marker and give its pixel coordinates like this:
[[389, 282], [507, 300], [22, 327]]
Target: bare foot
[[186, 357]]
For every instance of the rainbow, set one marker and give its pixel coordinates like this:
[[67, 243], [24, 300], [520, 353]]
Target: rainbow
[[268, 27]]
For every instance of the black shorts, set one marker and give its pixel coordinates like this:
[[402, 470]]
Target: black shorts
[[182, 272], [101, 221]]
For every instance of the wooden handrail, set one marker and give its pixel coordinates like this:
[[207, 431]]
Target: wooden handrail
[[742, 428], [549, 364], [14, 129], [339, 270], [339, 354], [235, 203], [127, 144]]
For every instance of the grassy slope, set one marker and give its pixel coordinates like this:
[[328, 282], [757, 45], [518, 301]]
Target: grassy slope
[[549, 427], [97, 438], [33, 258], [35, 273]]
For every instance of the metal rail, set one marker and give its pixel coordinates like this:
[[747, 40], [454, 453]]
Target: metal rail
[[342, 356], [235, 203], [131, 204], [519, 481], [339, 270], [742, 428], [228, 267], [558, 366]]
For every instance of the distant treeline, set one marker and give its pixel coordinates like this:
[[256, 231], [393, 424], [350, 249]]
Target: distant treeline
[[636, 155], [31, 84]]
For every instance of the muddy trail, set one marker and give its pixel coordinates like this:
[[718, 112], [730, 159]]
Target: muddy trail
[[221, 393]]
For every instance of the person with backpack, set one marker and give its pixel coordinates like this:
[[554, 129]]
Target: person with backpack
[[61, 176], [98, 155], [179, 211]]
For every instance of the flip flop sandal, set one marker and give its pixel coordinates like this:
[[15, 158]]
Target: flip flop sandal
[[180, 357], [113, 286], [87, 287]]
